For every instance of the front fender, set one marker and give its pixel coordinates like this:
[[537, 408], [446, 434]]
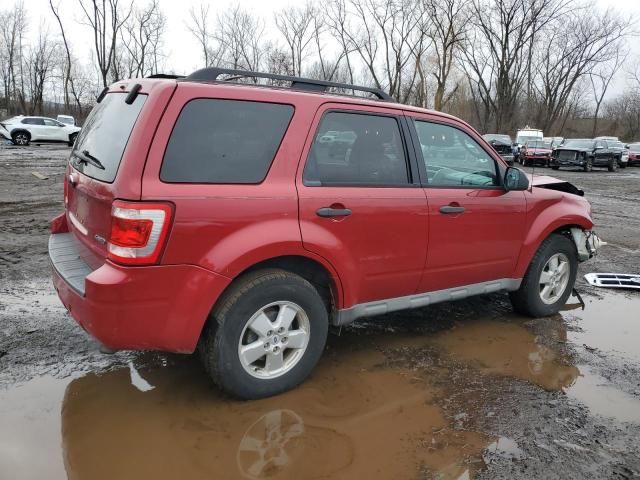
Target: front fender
[[547, 216]]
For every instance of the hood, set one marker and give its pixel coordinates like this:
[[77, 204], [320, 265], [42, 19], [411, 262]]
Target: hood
[[552, 183]]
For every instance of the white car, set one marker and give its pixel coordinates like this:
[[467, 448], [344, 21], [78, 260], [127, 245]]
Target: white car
[[22, 130]]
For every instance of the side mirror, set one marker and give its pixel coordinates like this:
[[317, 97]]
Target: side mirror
[[515, 179]]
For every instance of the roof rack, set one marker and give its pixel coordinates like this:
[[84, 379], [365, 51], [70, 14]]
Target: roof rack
[[166, 75], [211, 74]]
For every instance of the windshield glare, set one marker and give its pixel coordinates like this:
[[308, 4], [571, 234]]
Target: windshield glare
[[578, 143]]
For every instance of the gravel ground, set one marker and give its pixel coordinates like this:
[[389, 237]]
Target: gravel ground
[[458, 390]]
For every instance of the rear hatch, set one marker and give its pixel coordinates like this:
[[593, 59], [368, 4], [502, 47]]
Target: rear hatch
[[107, 160]]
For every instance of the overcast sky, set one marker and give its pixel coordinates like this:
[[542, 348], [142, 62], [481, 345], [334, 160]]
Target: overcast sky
[[182, 49]]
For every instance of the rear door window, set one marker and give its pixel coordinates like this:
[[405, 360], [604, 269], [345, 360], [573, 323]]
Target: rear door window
[[224, 141], [355, 149], [104, 136]]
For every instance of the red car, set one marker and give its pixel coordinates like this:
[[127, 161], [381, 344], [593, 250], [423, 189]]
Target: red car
[[536, 153], [213, 215], [634, 153]]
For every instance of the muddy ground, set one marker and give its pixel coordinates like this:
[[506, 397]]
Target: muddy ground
[[458, 390]]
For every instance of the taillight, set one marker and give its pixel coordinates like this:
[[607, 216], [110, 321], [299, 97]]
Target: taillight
[[138, 231]]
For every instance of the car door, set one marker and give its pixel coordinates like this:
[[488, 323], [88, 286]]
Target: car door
[[361, 206], [53, 130], [35, 126], [476, 227]]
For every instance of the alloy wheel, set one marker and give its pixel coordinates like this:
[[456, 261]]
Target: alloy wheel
[[274, 340], [554, 278]]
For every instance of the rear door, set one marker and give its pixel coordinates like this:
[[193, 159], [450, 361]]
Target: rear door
[[476, 226], [361, 205], [36, 128]]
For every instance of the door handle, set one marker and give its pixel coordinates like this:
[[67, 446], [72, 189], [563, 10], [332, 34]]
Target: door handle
[[450, 209], [333, 212]]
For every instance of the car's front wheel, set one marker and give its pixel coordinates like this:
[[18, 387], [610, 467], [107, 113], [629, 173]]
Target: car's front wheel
[[21, 138], [72, 139], [266, 334], [613, 165], [549, 280], [588, 165]]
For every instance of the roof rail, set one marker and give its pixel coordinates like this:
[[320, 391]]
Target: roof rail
[[165, 75], [211, 74]]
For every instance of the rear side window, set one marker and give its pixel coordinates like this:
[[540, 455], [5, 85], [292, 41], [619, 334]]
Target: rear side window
[[224, 141], [105, 134], [357, 150]]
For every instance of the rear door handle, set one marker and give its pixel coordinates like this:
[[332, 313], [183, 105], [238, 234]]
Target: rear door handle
[[333, 212], [449, 209]]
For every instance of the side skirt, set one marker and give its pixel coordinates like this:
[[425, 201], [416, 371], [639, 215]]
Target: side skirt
[[380, 307]]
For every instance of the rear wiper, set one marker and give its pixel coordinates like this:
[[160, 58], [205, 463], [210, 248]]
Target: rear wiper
[[86, 157]]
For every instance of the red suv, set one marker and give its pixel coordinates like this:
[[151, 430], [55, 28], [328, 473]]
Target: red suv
[[243, 219]]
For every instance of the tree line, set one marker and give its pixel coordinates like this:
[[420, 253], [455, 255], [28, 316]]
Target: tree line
[[499, 64]]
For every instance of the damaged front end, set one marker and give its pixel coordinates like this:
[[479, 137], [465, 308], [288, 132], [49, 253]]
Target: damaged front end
[[587, 243]]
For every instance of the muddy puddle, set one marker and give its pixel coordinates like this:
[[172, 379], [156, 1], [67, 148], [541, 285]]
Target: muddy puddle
[[370, 410]]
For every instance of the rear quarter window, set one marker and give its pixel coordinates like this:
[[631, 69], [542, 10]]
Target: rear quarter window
[[224, 141]]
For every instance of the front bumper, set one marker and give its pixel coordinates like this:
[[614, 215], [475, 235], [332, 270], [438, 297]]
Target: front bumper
[[160, 307], [587, 243]]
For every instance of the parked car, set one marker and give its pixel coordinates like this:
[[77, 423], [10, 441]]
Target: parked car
[[536, 152], [584, 153], [634, 153], [207, 214], [23, 130], [502, 144], [621, 151], [66, 119]]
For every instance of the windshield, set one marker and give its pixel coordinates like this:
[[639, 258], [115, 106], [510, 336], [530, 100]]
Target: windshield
[[539, 144], [105, 136], [500, 138], [616, 145], [526, 139], [578, 143]]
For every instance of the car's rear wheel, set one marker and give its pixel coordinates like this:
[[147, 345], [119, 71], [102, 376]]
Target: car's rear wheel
[[613, 165], [21, 138], [549, 279], [266, 334], [588, 166]]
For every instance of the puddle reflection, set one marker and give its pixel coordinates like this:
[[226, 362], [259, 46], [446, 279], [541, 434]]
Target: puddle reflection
[[353, 419]]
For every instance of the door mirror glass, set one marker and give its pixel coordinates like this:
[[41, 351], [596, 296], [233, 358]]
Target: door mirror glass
[[515, 179]]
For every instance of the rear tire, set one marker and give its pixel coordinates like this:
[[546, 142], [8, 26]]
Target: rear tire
[[21, 138], [557, 278], [271, 310]]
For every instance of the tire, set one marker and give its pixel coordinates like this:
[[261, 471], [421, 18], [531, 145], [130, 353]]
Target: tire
[[72, 139], [613, 165], [255, 297], [589, 165], [529, 299], [555, 167], [21, 138]]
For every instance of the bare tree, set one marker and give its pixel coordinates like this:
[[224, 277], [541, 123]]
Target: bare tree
[[573, 50], [295, 25], [39, 65], [447, 28], [141, 36], [13, 27], [198, 25], [239, 36], [600, 79], [106, 18]]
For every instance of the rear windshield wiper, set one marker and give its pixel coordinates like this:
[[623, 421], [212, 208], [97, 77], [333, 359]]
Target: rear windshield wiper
[[86, 157]]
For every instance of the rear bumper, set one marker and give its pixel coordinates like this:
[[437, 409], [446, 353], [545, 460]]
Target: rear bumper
[[161, 307]]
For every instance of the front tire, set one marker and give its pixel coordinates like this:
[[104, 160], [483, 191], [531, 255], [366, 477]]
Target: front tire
[[549, 280], [588, 166], [266, 334], [613, 165], [72, 139]]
